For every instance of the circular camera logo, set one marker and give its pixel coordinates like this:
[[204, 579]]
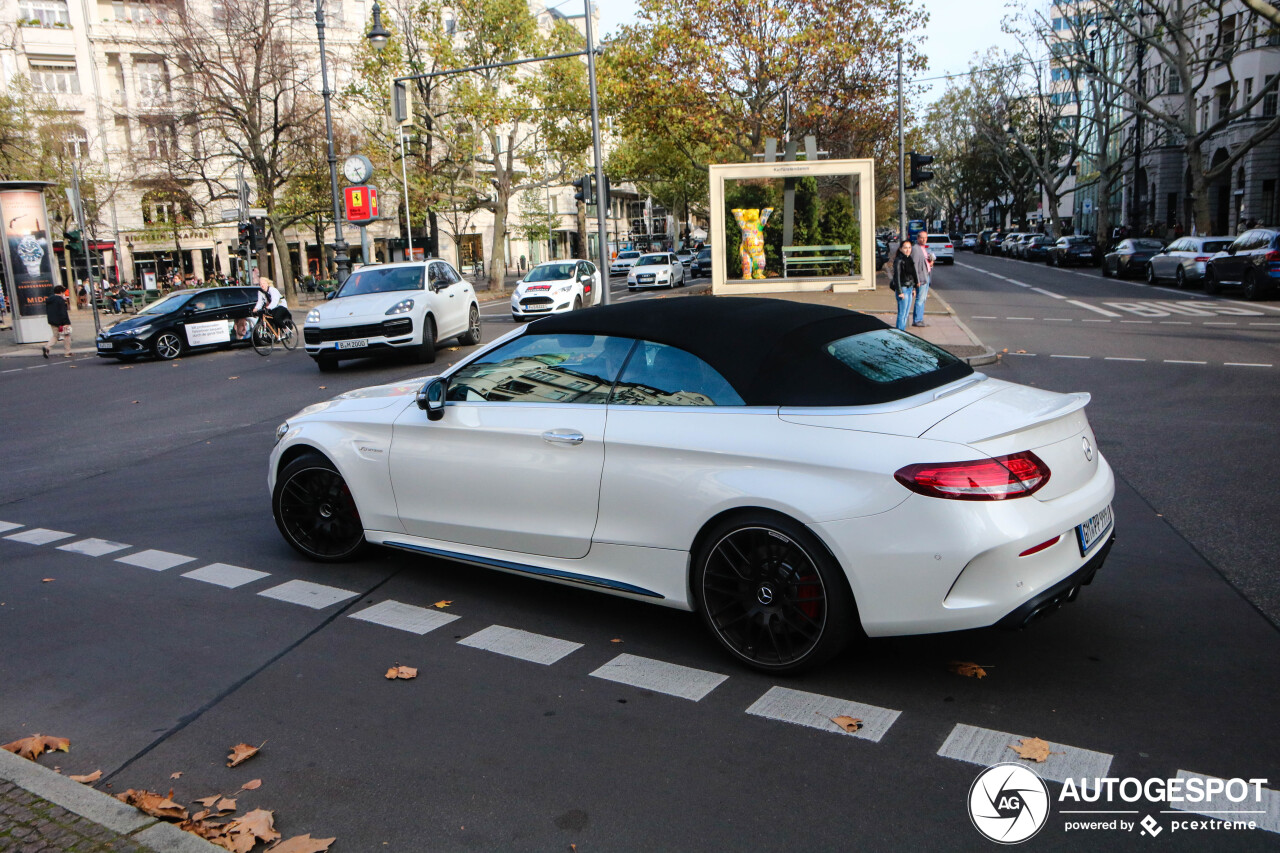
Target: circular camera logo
[[1008, 803]]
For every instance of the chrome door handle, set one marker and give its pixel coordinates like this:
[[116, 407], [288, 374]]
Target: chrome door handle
[[562, 436]]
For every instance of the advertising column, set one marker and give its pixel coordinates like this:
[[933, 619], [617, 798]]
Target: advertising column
[[29, 268]]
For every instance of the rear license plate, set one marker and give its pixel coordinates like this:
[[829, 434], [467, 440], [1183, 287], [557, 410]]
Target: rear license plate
[[1094, 529], [357, 344]]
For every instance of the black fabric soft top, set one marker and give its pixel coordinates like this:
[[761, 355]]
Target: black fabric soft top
[[772, 351]]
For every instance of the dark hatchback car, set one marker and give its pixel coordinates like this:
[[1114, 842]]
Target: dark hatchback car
[[991, 243], [701, 263], [1130, 258], [1037, 249], [1073, 251], [181, 322], [1252, 262]]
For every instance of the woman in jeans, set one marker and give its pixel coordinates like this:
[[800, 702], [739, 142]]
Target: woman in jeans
[[903, 280]]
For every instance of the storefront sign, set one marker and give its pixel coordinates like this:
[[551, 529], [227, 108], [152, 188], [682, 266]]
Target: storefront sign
[[30, 253], [362, 204], [149, 279]]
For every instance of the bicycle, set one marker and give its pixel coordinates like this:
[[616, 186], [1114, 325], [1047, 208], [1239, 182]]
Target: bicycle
[[265, 333]]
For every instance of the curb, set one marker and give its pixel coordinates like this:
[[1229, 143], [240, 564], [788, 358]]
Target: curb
[[100, 808]]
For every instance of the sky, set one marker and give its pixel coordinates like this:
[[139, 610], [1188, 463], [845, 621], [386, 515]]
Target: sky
[[954, 33]]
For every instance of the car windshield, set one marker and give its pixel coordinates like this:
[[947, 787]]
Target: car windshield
[[551, 272], [652, 261], [626, 256], [383, 280], [1215, 245], [172, 302], [1147, 245], [888, 355], [704, 255]]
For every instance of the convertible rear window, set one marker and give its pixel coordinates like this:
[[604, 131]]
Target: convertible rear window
[[888, 355]]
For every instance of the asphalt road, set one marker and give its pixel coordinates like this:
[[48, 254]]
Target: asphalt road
[[1166, 663]]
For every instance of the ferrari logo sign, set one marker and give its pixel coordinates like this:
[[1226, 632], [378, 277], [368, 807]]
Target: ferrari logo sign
[[362, 204]]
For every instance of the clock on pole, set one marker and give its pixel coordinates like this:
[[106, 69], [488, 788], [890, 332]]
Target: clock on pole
[[357, 169]]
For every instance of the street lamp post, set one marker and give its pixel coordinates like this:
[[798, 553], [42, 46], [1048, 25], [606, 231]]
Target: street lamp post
[[340, 257]]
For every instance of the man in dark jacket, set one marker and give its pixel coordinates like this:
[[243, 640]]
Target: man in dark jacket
[[55, 311]]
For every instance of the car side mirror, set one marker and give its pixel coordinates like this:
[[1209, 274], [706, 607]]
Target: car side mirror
[[1231, 250], [330, 295], [431, 398]]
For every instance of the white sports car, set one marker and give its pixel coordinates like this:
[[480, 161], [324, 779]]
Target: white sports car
[[393, 307], [795, 473], [657, 269], [556, 286]]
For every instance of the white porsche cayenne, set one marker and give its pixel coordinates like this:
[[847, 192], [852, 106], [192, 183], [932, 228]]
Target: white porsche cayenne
[[393, 307], [556, 286], [657, 269], [795, 473]]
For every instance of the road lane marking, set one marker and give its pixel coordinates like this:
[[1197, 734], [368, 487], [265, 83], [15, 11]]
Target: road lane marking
[[14, 370], [1265, 814], [405, 617], [514, 643], [1087, 320], [1103, 311], [1121, 358], [314, 595], [1147, 322], [1175, 322], [1208, 323], [39, 536], [6, 526], [1244, 364], [94, 547], [986, 747], [1264, 324], [1070, 356], [661, 677], [977, 317], [815, 711], [1019, 318], [1048, 293], [1058, 320], [156, 561], [1180, 361], [224, 575]]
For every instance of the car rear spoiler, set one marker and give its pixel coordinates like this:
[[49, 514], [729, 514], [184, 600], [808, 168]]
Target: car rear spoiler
[[1072, 403]]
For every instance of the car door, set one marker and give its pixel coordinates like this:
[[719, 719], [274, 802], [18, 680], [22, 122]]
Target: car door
[[596, 283], [450, 300], [515, 462], [202, 320], [1164, 261], [1230, 266]]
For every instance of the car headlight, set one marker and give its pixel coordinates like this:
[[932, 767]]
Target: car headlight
[[281, 430], [404, 306], [565, 288], [139, 330], [313, 316]]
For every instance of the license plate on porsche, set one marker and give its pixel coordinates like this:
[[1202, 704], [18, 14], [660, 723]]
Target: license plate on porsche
[[1094, 529], [360, 343]]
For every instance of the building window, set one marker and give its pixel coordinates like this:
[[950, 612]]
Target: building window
[[1269, 99], [161, 140], [1224, 103], [1270, 210], [450, 26], [1175, 83], [55, 77], [50, 13], [153, 83], [166, 207], [140, 11], [1248, 93]]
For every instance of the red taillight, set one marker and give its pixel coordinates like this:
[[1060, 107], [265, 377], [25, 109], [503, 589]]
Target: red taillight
[[1273, 257], [1014, 476], [1036, 549], [1200, 259], [948, 246]]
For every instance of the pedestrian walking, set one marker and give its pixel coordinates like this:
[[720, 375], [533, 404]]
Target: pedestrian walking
[[55, 311], [903, 280], [923, 259]]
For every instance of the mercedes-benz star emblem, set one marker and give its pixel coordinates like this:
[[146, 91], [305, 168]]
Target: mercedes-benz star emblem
[[765, 595], [1088, 448]]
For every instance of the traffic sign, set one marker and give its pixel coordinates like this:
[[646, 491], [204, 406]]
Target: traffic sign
[[231, 214]]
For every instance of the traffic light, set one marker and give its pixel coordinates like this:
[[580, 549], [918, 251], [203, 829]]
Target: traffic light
[[73, 241], [585, 190], [918, 173], [257, 237], [244, 236]]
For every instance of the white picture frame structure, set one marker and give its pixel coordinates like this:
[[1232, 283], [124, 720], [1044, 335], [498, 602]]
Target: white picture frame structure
[[864, 278]]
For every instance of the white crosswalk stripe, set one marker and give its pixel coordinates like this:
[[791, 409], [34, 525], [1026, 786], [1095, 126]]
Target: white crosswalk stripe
[[39, 536], [512, 642], [314, 595], [404, 617], [986, 747], [6, 526], [221, 574], [660, 676], [94, 547], [156, 561], [816, 711]]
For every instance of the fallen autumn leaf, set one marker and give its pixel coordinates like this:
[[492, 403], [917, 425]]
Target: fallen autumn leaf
[[966, 668], [403, 672], [242, 752], [156, 805], [1033, 749], [442, 604], [303, 844], [33, 747], [88, 778], [849, 724], [251, 785]]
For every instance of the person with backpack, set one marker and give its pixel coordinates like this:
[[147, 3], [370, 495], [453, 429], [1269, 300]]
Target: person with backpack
[[56, 312]]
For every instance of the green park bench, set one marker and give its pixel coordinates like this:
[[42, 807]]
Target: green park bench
[[815, 257]]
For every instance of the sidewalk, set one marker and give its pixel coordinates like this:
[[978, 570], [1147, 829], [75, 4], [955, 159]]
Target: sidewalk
[[41, 810]]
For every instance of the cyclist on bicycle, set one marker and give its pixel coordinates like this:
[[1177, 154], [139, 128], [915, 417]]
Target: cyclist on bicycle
[[269, 299]]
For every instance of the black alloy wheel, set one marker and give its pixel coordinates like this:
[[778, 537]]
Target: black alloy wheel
[[771, 594], [167, 345], [1252, 290], [1151, 273], [316, 512], [426, 351], [1211, 285]]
